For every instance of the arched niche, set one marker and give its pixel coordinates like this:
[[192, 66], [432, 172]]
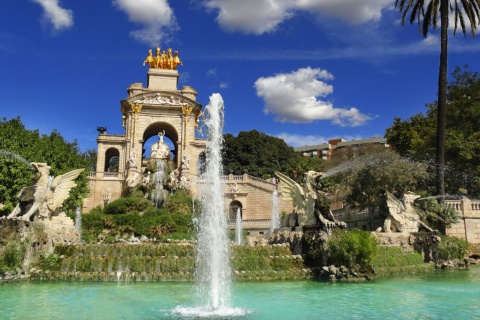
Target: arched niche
[[171, 138], [112, 160], [233, 209]]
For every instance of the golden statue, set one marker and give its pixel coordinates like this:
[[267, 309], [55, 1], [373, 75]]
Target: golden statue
[[197, 118], [149, 59], [163, 60]]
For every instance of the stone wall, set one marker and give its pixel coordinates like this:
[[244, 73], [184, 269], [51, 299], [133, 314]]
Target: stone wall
[[467, 228]]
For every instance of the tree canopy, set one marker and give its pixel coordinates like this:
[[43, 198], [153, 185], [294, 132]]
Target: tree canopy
[[369, 176], [415, 137], [428, 13], [19, 147], [256, 153]]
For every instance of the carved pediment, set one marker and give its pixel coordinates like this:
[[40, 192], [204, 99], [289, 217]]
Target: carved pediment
[[162, 99]]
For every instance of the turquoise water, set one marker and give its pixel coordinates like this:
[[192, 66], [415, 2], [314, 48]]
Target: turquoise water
[[437, 295]]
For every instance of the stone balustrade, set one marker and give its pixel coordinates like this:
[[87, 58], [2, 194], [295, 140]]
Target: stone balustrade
[[107, 175], [251, 224]]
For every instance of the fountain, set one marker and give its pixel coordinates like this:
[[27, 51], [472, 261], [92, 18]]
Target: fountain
[[238, 227], [159, 195], [213, 272], [78, 221], [159, 153], [275, 214]]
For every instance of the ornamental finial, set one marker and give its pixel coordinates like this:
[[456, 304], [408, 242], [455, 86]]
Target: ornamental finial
[[163, 60]]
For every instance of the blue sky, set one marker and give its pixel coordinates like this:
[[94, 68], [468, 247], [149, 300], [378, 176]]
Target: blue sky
[[302, 70]]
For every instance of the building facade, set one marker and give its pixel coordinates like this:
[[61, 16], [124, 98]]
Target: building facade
[[161, 109], [334, 146]]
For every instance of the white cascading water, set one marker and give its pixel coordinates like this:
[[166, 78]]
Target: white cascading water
[[275, 223], [159, 195], [78, 221], [238, 227], [213, 272]]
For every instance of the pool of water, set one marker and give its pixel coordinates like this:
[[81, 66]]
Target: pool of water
[[436, 295]]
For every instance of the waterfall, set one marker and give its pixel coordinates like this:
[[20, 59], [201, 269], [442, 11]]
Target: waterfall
[[238, 227], [159, 195], [78, 221], [275, 224]]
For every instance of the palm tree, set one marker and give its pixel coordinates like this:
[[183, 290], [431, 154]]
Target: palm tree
[[429, 15]]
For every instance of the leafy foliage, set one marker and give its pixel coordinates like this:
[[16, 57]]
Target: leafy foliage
[[369, 176], [19, 147], [349, 248], [436, 215], [135, 215], [415, 137], [12, 255], [452, 248], [127, 205], [257, 154]]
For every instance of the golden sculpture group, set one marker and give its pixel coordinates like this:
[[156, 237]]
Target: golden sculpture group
[[164, 60]]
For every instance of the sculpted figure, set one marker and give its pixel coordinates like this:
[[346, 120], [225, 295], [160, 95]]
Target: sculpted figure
[[160, 149], [176, 60], [173, 180], [169, 60], [310, 204], [44, 196], [402, 215], [186, 162], [157, 59], [132, 161], [149, 59], [163, 60]]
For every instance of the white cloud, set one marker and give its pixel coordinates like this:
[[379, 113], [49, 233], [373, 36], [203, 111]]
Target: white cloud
[[261, 16], [251, 16], [156, 16], [297, 140], [350, 11], [223, 85], [294, 97], [59, 17]]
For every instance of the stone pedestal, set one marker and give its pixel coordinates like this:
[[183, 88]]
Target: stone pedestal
[[162, 79]]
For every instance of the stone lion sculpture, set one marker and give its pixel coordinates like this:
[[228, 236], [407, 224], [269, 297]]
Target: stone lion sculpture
[[402, 215], [307, 201], [41, 199]]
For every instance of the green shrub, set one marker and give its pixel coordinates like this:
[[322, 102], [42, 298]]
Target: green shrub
[[349, 248], [49, 261], [452, 248], [128, 204], [179, 202], [389, 257], [12, 256]]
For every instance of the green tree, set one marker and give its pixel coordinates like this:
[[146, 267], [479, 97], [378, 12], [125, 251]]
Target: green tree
[[257, 154], [20, 146], [415, 137], [369, 176], [430, 16], [300, 165]]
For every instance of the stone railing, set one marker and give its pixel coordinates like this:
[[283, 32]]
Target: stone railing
[[108, 175], [245, 178], [251, 224], [465, 207]]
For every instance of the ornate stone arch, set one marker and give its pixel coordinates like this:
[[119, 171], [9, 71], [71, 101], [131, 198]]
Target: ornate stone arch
[[170, 132]]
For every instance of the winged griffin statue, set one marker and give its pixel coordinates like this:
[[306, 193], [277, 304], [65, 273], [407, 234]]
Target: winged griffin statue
[[402, 215], [41, 199], [306, 200]]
